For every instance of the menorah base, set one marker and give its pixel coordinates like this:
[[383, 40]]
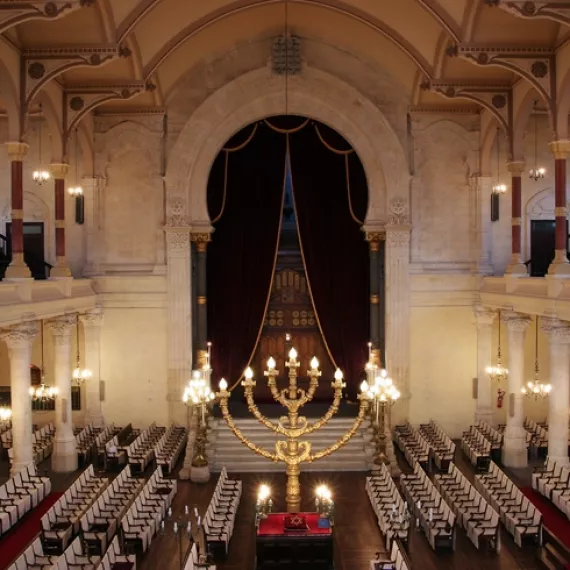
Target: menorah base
[[200, 474]]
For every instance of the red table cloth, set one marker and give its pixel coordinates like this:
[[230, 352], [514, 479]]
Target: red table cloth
[[274, 525]]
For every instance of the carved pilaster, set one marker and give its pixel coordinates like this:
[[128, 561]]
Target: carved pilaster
[[398, 296], [93, 191], [484, 318]]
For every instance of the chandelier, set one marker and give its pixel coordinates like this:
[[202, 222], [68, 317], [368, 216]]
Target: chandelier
[[80, 374], [537, 172], [40, 175], [498, 373], [5, 413], [43, 392], [499, 188], [535, 388], [76, 190]]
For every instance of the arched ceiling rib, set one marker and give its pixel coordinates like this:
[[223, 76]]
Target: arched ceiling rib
[[405, 39]]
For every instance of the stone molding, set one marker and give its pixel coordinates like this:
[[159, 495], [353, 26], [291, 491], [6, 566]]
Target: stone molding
[[257, 94], [177, 240], [399, 213], [20, 336]]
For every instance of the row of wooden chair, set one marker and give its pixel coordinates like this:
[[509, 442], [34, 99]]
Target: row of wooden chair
[[430, 510], [477, 447], [478, 518], [21, 493], [553, 481], [170, 446], [396, 561], [61, 523], [389, 506], [220, 515], [518, 514], [442, 448], [412, 444]]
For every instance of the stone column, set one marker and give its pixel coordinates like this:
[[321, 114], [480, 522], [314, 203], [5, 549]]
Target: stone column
[[201, 241], [514, 446], [17, 268], [179, 318], [558, 405], [398, 302], [516, 267], [560, 266], [19, 339], [64, 456], [375, 239], [484, 318], [93, 219], [61, 269], [92, 321]]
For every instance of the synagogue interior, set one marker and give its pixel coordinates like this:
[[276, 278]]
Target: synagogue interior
[[284, 284]]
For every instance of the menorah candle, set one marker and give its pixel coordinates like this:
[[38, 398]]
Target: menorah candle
[[430, 514]]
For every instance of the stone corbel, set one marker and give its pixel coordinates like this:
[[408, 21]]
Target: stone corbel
[[496, 98], [557, 11], [535, 64], [79, 100], [15, 13]]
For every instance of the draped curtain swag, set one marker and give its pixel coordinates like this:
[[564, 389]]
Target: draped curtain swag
[[245, 199]]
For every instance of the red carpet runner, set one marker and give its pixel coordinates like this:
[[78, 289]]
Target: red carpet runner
[[556, 522], [18, 538]]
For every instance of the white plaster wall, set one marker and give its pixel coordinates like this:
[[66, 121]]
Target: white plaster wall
[[445, 157], [129, 156]]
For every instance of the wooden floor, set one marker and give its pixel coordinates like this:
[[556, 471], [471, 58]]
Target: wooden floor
[[356, 533]]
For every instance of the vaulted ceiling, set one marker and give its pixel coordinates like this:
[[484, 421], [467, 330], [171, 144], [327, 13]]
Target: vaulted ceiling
[[408, 39]]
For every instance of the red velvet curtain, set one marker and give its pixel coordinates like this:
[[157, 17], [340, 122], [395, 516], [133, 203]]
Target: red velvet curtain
[[241, 256], [335, 252]]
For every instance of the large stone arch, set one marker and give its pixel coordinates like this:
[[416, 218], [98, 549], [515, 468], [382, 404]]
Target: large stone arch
[[259, 94]]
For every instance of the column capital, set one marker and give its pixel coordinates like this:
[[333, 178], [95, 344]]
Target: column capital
[[516, 322], [21, 335], [516, 167], [560, 149], [59, 170], [62, 327], [398, 235], [558, 331], [484, 316], [17, 151], [177, 239], [201, 239], [92, 318]]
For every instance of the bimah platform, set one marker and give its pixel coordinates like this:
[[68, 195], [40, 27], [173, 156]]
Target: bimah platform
[[294, 541]]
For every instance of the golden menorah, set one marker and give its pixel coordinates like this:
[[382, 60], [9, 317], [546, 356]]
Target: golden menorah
[[292, 426]]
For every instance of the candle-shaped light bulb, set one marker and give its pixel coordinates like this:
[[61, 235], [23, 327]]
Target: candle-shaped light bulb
[[223, 385], [293, 354], [248, 373], [314, 363], [338, 374], [271, 363], [364, 387], [369, 352]]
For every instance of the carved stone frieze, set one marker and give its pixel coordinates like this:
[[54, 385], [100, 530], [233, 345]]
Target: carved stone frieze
[[176, 215], [178, 241], [399, 213], [20, 335], [397, 238]]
